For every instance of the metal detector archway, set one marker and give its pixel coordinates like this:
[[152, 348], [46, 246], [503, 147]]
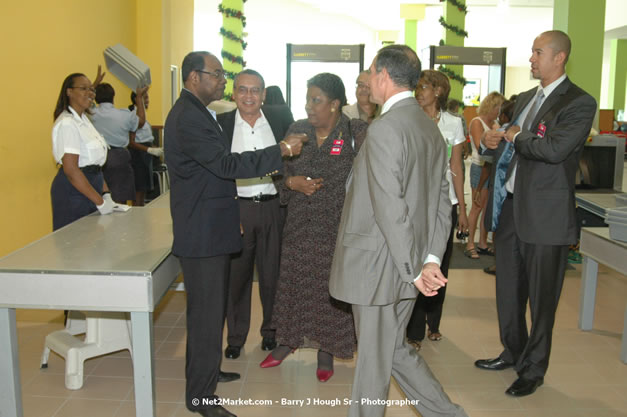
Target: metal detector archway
[[462, 55], [346, 61]]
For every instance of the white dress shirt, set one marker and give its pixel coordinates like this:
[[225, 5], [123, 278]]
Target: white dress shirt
[[252, 138], [76, 135]]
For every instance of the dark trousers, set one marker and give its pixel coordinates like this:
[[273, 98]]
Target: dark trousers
[[262, 223], [69, 204], [206, 286], [118, 174], [429, 309], [533, 272]]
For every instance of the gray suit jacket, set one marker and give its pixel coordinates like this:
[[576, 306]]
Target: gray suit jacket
[[396, 210]]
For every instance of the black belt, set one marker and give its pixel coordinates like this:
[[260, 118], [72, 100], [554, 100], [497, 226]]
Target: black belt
[[91, 169], [510, 196], [260, 198]]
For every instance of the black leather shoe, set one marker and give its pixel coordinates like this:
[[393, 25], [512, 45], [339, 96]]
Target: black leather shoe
[[217, 411], [232, 352], [268, 343], [227, 376], [496, 364], [522, 386]]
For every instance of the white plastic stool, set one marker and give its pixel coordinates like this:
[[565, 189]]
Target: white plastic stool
[[105, 332]]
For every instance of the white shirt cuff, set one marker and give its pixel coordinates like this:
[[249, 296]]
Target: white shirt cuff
[[515, 136], [430, 259]]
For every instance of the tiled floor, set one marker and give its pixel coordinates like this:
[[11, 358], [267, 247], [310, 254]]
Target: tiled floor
[[586, 377]]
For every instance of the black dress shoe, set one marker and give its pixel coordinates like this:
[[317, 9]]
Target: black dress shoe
[[268, 343], [232, 352], [496, 364], [522, 386], [227, 376], [217, 411]]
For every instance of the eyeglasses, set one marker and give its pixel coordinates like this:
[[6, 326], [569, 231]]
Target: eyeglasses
[[83, 89], [245, 90], [216, 73]]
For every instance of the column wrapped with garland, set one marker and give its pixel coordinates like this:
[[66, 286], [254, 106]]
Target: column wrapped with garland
[[233, 45], [454, 22]]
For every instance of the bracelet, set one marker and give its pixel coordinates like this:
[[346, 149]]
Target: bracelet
[[288, 146]]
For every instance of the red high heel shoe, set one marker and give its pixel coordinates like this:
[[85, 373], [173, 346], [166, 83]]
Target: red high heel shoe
[[323, 374], [270, 361]]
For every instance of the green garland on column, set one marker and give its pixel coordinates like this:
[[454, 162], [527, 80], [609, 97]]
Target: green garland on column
[[459, 32], [460, 6], [234, 33]]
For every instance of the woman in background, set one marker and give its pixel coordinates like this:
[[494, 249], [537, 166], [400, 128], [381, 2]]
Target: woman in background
[[432, 93], [488, 112], [141, 148], [81, 151], [304, 314]]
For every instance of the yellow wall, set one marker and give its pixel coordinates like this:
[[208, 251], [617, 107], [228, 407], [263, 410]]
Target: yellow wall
[[44, 41]]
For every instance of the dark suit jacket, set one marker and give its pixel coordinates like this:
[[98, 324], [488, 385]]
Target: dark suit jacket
[[203, 196], [279, 117], [544, 190]]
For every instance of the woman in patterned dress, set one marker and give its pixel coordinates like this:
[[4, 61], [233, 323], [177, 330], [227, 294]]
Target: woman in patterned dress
[[304, 314]]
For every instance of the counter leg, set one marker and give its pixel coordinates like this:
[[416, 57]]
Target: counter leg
[[623, 350], [143, 364], [10, 388], [588, 292]]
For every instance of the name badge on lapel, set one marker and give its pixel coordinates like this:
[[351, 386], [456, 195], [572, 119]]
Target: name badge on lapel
[[541, 129], [336, 149]]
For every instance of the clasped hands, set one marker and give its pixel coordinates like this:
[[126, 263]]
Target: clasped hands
[[305, 185], [493, 137], [431, 279]]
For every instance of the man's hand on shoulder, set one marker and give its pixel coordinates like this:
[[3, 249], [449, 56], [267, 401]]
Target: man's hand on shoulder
[[431, 279], [292, 145]]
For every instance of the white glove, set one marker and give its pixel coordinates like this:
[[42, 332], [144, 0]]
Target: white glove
[[107, 206], [121, 207], [158, 152]]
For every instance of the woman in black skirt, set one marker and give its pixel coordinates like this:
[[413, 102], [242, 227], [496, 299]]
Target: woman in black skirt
[[81, 151]]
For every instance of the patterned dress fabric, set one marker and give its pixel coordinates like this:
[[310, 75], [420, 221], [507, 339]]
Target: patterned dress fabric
[[305, 315]]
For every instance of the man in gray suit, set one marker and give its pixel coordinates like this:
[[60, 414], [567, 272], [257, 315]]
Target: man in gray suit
[[393, 232]]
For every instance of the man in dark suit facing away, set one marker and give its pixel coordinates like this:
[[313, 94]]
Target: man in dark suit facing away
[[251, 127], [537, 222], [205, 217]]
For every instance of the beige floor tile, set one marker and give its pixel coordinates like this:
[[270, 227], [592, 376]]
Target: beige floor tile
[[166, 319], [36, 406], [104, 388], [169, 350], [48, 385], [595, 396], [170, 368], [286, 372], [486, 398], [112, 366], [127, 409], [177, 334], [268, 390], [559, 374], [81, 407]]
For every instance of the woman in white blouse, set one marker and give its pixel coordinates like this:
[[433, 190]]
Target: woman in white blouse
[[432, 94], [81, 151]]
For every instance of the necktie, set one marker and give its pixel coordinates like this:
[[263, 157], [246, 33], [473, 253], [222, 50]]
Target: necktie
[[502, 165], [533, 110]]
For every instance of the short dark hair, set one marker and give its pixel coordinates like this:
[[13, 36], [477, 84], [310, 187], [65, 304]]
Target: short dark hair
[[331, 85], [453, 105], [274, 95], [194, 61], [250, 72], [401, 63], [63, 102], [104, 93]]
